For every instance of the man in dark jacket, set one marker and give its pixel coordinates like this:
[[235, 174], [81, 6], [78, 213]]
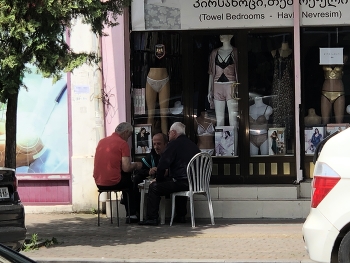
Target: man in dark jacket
[[149, 164], [174, 159]]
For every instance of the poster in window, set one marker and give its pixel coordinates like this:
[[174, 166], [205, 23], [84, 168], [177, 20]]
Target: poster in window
[[313, 136], [333, 127], [276, 139], [224, 141], [143, 140]]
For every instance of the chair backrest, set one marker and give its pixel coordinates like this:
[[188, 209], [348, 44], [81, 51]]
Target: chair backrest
[[199, 172]]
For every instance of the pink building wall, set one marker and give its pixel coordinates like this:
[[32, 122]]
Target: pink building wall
[[116, 74]]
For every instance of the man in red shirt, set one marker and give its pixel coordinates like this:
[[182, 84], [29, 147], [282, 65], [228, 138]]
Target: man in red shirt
[[112, 165]]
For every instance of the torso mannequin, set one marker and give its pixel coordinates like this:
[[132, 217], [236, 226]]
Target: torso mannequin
[[158, 84], [333, 93], [312, 119], [204, 126], [259, 114], [284, 51]]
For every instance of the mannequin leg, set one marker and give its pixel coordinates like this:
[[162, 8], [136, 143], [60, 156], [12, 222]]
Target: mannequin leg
[[232, 107], [326, 108], [220, 112], [339, 109], [264, 148], [164, 95], [151, 98], [253, 150]]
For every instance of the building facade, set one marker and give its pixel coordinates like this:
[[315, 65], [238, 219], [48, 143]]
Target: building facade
[[258, 84]]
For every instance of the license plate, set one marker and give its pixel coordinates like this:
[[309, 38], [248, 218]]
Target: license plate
[[4, 193]]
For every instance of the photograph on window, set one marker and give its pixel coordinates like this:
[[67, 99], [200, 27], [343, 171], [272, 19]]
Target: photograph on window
[[276, 141], [143, 138], [313, 136], [224, 141]]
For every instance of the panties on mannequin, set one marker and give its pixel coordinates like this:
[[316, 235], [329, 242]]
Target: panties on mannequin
[[259, 114], [333, 93], [158, 84], [204, 126]]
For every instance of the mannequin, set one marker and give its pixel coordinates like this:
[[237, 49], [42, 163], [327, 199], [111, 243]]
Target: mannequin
[[284, 51], [158, 83], [283, 88], [259, 114], [204, 125], [333, 93], [223, 81], [312, 119]]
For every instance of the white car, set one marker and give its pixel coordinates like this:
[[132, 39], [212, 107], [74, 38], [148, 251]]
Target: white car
[[326, 230]]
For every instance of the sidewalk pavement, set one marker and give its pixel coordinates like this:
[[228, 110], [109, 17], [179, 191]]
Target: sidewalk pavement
[[230, 240]]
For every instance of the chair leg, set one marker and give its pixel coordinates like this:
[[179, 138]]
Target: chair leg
[[210, 204], [116, 197], [192, 211], [127, 194], [110, 205], [98, 209], [172, 209]]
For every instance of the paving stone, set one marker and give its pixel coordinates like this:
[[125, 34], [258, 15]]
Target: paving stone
[[81, 240]]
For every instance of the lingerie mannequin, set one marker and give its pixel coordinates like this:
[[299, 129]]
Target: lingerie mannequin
[[204, 125], [223, 80], [283, 88], [259, 114], [333, 93], [158, 83], [284, 51], [312, 119], [222, 74]]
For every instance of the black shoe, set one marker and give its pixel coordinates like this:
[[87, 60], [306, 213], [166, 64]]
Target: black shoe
[[180, 219], [132, 220], [149, 222]]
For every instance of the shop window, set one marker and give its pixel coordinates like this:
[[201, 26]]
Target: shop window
[[325, 84], [271, 94], [156, 85]]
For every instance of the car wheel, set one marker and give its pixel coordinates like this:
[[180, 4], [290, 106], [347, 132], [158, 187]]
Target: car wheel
[[344, 249]]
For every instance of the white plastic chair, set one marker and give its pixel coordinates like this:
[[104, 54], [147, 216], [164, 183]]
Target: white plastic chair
[[198, 173]]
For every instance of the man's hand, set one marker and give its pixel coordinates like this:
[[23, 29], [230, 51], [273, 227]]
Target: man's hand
[[152, 171], [136, 165]]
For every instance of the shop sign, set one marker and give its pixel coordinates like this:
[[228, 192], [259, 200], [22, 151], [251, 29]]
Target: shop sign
[[236, 14], [211, 14], [324, 12]]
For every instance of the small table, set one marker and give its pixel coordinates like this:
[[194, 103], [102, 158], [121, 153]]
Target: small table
[[143, 188]]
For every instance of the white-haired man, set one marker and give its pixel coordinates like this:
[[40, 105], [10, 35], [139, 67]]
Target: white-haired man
[[175, 158]]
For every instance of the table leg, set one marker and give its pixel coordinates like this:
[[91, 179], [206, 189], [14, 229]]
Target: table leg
[[142, 204], [162, 210]]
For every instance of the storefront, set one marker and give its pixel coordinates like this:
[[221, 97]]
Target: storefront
[[246, 78]]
